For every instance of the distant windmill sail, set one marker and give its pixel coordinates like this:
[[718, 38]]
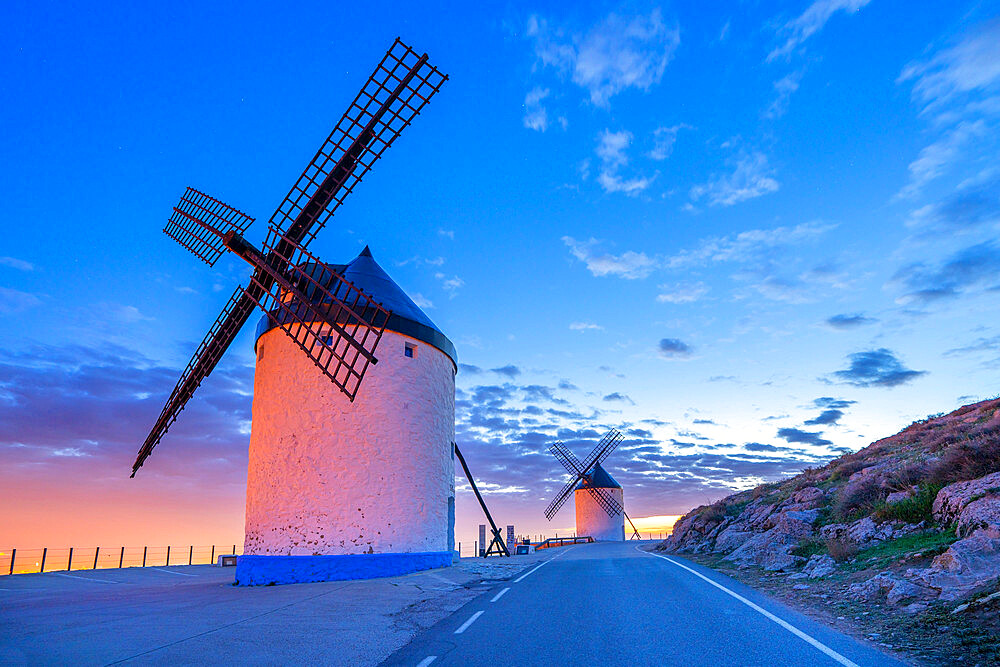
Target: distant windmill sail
[[580, 475], [336, 324]]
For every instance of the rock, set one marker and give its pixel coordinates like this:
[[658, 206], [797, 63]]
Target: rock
[[819, 565], [894, 589], [809, 494], [865, 532], [981, 513], [770, 549], [898, 496], [800, 587], [834, 531], [952, 499], [968, 566], [731, 538], [798, 575]]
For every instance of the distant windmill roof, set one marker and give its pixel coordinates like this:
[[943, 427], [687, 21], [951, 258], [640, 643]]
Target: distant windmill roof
[[599, 479], [407, 318]]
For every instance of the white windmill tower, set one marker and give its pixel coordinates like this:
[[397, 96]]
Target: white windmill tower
[[337, 488], [599, 499]]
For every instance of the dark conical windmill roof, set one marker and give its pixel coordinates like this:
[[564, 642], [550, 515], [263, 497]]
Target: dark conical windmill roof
[[407, 318], [599, 479]]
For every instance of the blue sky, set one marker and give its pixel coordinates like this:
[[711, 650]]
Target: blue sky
[[751, 236]]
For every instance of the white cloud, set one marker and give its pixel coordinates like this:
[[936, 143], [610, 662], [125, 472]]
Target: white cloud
[[682, 292], [535, 115], [618, 53], [450, 285], [422, 301], [610, 150], [749, 245], [935, 158], [811, 21], [664, 139], [752, 177], [13, 301], [18, 264], [631, 265], [447, 233], [971, 65], [783, 88], [585, 326]]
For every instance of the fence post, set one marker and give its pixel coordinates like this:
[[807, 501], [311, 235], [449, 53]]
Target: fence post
[[69, 561], [45, 552], [168, 554], [144, 556], [211, 559], [121, 559], [13, 553], [234, 549], [97, 552], [191, 554]]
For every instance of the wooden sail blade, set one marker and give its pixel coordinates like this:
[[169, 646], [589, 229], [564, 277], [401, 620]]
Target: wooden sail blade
[[199, 222], [560, 499], [607, 501], [388, 102], [608, 443], [334, 322], [567, 458], [220, 336]]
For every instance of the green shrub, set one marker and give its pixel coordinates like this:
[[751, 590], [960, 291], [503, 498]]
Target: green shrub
[[914, 509], [809, 548], [713, 513]]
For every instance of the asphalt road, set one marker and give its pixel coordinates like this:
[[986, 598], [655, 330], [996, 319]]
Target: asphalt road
[[613, 604]]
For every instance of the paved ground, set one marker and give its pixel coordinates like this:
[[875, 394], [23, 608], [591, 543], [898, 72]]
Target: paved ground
[[193, 615], [602, 603], [612, 604]]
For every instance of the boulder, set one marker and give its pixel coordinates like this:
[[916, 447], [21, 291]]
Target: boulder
[[731, 538], [895, 590], [819, 565], [898, 496], [979, 514], [865, 532], [771, 549], [967, 567], [952, 499]]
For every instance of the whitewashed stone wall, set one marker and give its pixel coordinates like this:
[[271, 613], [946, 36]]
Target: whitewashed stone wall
[[593, 520], [327, 476]]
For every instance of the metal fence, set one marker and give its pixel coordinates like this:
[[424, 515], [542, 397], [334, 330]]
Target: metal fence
[[22, 561], [469, 549]]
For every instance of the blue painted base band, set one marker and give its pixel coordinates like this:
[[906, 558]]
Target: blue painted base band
[[270, 570]]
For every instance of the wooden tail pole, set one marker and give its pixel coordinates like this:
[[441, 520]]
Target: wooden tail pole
[[635, 533], [497, 545]]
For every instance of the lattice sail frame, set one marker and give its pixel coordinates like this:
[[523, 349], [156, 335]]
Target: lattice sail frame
[[579, 470], [334, 322], [194, 214], [366, 130]]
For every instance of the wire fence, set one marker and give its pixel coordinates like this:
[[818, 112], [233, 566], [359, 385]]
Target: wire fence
[[24, 561]]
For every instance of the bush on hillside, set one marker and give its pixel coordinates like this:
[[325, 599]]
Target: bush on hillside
[[857, 500], [971, 459], [914, 509]]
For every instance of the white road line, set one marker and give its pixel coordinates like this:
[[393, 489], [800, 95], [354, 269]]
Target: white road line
[[499, 595], [70, 576], [787, 626], [179, 574], [465, 626], [426, 661]]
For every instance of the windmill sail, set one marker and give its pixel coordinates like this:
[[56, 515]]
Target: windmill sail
[[394, 94], [220, 336], [199, 222], [580, 472], [389, 101], [336, 324]]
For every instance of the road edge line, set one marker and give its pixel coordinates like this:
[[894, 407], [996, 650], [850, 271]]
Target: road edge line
[[815, 643]]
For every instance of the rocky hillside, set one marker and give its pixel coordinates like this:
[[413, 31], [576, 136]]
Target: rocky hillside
[[914, 517]]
